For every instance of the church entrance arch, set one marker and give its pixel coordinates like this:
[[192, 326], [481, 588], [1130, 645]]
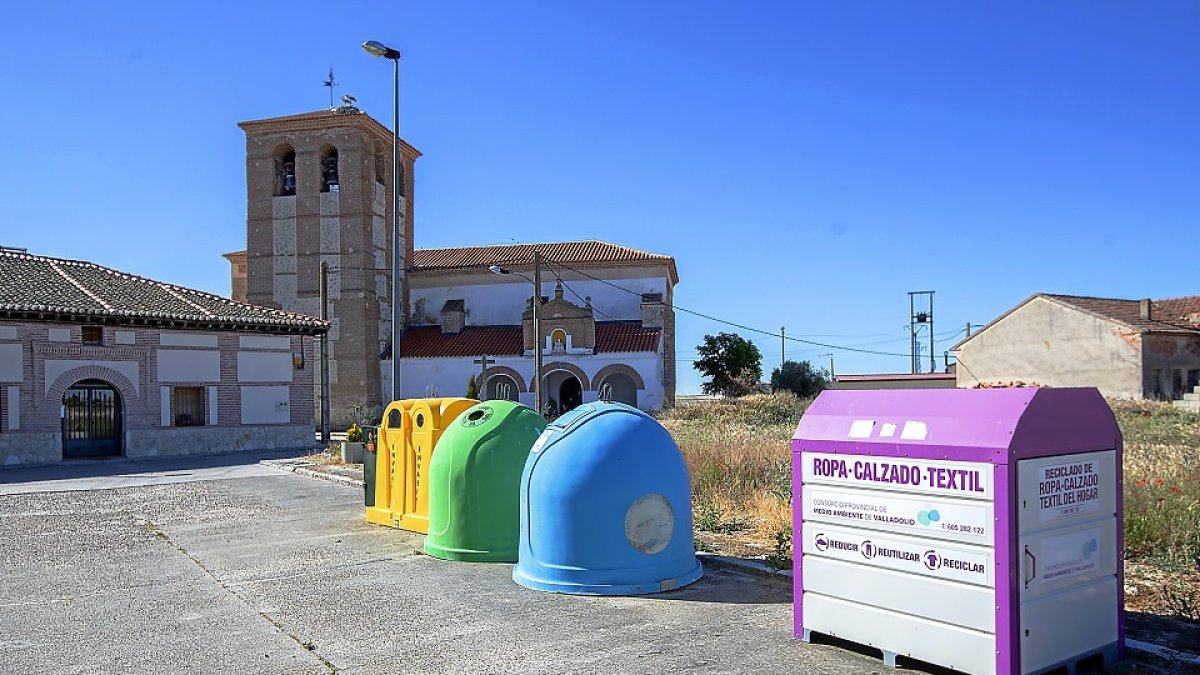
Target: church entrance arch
[[564, 392], [619, 387], [91, 423]]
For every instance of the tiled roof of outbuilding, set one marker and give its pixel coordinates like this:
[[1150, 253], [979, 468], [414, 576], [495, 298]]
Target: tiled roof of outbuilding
[[43, 288], [430, 342]]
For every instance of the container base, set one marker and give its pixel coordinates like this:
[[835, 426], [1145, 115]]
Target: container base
[[469, 555], [645, 588]]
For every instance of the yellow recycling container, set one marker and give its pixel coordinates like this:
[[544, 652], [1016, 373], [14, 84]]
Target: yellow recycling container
[[408, 433]]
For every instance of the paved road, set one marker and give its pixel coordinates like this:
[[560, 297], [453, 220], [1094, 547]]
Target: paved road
[[245, 569]]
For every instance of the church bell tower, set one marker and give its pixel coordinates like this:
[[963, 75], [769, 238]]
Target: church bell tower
[[318, 190]]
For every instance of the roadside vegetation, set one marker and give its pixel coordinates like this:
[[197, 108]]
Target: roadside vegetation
[[739, 454]]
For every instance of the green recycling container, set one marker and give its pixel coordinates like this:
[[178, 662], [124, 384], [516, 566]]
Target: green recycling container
[[475, 480]]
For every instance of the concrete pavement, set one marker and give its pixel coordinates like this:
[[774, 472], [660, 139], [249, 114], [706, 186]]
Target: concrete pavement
[[240, 571]]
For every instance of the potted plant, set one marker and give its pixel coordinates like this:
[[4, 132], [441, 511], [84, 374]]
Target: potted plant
[[352, 448]]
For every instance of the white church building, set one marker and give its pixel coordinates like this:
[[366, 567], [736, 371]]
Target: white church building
[[318, 192]]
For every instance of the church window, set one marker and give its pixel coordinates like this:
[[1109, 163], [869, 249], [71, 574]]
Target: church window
[[92, 335], [285, 171], [329, 170]]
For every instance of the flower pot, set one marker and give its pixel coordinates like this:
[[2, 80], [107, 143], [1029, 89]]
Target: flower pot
[[352, 453]]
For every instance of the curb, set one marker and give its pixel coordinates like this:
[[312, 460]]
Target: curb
[[1177, 661], [754, 568], [300, 468]]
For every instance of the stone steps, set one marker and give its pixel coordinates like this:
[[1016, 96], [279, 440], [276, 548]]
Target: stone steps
[[1190, 400]]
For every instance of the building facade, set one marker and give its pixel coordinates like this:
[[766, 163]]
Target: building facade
[[318, 187], [98, 363], [1130, 349]]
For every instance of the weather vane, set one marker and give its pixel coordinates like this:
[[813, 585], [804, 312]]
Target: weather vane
[[331, 84]]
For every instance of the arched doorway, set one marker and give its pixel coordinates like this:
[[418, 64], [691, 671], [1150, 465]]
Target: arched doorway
[[564, 392], [91, 425], [501, 388], [619, 387]]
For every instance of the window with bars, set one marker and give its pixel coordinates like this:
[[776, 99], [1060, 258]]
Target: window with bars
[[187, 406], [92, 335]]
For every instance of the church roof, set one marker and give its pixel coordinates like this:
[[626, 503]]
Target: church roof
[[430, 342], [41, 288], [582, 254]]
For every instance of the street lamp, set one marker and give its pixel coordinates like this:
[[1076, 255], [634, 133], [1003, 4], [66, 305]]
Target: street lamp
[[379, 49], [537, 324]]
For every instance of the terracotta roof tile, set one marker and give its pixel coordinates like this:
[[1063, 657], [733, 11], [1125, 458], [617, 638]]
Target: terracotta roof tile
[[625, 336], [520, 256], [1172, 314], [430, 342], [40, 285]]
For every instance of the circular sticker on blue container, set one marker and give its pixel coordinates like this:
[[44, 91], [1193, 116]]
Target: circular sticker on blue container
[[649, 523]]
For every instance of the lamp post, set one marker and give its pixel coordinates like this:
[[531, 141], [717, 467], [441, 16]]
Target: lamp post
[[537, 324], [379, 49]]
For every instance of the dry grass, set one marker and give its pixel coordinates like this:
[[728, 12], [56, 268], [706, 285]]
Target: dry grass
[[739, 454]]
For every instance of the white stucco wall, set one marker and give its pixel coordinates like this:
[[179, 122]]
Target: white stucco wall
[[264, 367], [498, 300], [12, 363], [450, 375], [1048, 343], [189, 365]]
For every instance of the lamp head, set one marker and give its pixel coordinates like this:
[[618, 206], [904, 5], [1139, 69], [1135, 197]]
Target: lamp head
[[496, 269], [375, 48]]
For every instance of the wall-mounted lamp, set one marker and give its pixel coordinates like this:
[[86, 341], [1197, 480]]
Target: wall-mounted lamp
[[298, 360]]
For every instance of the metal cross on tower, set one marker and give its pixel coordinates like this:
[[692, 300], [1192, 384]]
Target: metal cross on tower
[[331, 84]]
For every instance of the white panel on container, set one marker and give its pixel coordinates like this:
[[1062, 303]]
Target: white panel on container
[[266, 405], [264, 366], [963, 649], [1056, 559], [957, 479], [1063, 625], [1056, 491], [12, 363], [937, 559], [934, 517], [264, 342], [963, 605], [185, 339], [189, 365]]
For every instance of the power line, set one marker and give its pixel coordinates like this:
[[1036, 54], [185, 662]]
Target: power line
[[568, 287], [738, 325]]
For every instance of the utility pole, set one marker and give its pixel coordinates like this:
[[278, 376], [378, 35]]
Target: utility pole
[[537, 332], [920, 318], [782, 346], [968, 329], [324, 293]]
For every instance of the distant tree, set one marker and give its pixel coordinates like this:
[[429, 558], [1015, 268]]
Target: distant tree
[[732, 364], [802, 379], [473, 387]]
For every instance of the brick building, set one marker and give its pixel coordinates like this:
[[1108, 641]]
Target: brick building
[[318, 190], [98, 363]]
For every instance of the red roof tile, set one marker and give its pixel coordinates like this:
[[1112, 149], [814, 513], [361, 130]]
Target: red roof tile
[[520, 256], [621, 336], [1172, 314], [430, 342]]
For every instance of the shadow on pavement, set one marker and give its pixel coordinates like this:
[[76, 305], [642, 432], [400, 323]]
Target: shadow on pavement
[[120, 466]]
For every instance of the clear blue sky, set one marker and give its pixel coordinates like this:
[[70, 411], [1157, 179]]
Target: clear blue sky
[[807, 164]]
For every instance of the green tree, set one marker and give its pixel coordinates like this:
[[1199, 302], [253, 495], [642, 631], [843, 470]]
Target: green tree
[[802, 379], [732, 364], [472, 387]]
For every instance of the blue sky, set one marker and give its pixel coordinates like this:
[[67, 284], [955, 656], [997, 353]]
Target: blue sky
[[807, 164]]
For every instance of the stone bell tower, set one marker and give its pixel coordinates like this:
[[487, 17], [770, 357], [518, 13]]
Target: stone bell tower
[[318, 190]]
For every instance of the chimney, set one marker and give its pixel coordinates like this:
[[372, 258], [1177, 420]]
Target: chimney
[[1145, 310], [652, 310], [454, 317]]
